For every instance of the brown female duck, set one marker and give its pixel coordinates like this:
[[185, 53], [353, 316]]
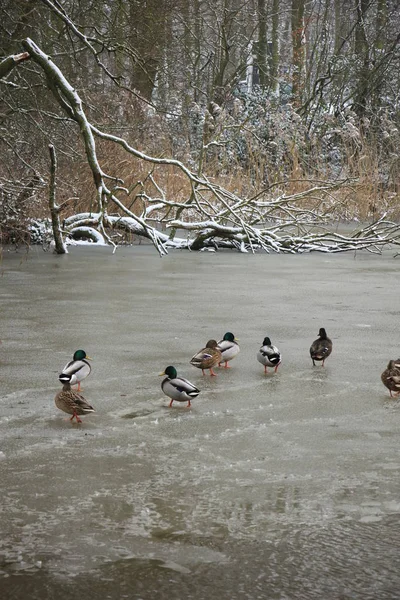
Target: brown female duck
[[321, 348], [207, 357], [391, 377], [72, 403]]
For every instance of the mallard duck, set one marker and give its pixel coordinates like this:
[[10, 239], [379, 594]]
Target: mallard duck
[[76, 370], [72, 403], [207, 357], [269, 355], [178, 388], [391, 377], [229, 348], [321, 348]]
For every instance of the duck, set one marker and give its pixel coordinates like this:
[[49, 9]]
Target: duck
[[72, 402], [391, 377], [229, 348], [178, 388], [207, 357], [76, 370], [269, 355], [321, 348]]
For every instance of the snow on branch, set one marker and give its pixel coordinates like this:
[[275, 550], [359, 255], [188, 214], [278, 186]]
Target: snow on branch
[[210, 215]]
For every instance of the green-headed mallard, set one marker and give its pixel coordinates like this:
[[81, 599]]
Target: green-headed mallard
[[72, 403], [269, 355], [178, 388], [76, 370], [207, 357], [391, 377], [229, 348], [321, 348]]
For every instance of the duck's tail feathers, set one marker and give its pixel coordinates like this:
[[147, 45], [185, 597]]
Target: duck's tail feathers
[[275, 359], [320, 354], [64, 378], [196, 361]]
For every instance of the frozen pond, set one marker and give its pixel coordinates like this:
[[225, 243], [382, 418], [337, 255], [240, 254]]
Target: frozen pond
[[282, 486]]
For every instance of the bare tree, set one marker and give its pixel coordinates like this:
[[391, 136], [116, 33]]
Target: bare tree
[[274, 60], [262, 42], [216, 216], [298, 44], [165, 77], [54, 208]]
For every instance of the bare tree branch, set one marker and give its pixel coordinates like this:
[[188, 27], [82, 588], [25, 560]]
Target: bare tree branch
[[7, 65], [212, 216]]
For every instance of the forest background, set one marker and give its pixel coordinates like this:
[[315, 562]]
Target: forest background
[[222, 106]]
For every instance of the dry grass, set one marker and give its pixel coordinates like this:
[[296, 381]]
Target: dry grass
[[366, 198], [373, 168]]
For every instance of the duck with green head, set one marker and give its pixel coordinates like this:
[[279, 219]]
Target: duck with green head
[[72, 403], [207, 357], [178, 388], [76, 370], [269, 355], [229, 348]]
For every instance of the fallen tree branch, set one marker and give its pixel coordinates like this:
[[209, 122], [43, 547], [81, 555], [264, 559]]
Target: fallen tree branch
[[211, 215]]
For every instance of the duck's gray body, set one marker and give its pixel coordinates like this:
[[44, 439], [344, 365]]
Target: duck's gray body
[[178, 388], [75, 371], [228, 347], [269, 355]]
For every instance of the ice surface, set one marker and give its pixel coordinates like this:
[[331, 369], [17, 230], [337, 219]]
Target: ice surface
[[271, 486]]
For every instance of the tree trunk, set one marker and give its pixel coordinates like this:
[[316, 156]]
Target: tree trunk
[[274, 60], [381, 24], [361, 50], [262, 43], [298, 45], [147, 36], [338, 24], [54, 208], [218, 92]]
